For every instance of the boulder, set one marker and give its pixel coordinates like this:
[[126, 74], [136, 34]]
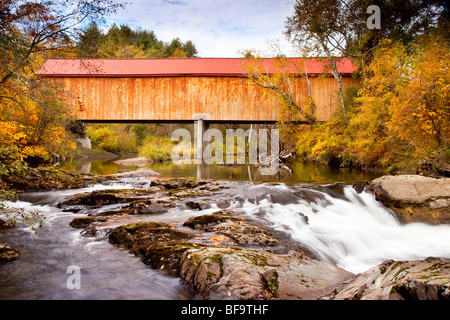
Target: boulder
[[106, 197], [410, 188], [231, 273], [427, 279], [84, 222], [234, 227], [8, 253], [176, 183], [414, 197], [157, 244]]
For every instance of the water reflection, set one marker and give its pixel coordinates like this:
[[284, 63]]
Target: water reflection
[[294, 171]]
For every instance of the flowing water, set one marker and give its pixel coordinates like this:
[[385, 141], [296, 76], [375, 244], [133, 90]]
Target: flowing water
[[338, 224], [351, 230], [107, 272]]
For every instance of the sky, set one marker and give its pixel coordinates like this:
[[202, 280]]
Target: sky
[[218, 28]]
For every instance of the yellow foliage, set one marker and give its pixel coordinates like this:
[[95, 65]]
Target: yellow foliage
[[33, 116], [401, 113]]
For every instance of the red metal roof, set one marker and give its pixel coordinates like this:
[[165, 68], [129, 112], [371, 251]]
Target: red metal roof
[[231, 67]]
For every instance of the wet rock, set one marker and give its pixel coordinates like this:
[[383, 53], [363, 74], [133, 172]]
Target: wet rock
[[157, 244], [187, 193], [414, 197], [246, 234], [39, 179], [176, 183], [84, 222], [142, 206], [427, 279], [8, 253], [104, 197], [197, 205], [227, 273], [153, 208], [236, 228], [209, 221]]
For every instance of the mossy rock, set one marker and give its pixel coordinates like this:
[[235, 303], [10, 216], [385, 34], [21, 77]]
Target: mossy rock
[[84, 222], [141, 206], [166, 256], [176, 183], [105, 197], [42, 178], [243, 233], [208, 220], [157, 244]]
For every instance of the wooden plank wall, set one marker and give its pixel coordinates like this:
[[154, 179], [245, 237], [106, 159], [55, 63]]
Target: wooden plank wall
[[180, 98]]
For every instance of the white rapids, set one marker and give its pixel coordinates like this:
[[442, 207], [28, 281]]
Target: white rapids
[[354, 231]]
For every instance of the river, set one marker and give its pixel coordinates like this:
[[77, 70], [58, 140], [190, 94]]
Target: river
[[315, 206]]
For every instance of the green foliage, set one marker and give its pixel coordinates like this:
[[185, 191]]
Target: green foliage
[[157, 148], [114, 138], [123, 42], [89, 41], [147, 140]]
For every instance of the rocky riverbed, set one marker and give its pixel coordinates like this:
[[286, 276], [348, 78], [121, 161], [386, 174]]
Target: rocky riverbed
[[221, 254]]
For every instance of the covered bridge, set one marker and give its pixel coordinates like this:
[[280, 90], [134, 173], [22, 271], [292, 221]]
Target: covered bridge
[[183, 89]]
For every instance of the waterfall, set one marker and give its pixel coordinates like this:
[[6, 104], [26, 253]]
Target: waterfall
[[353, 231]]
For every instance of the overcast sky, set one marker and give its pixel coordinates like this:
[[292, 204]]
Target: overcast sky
[[218, 28]]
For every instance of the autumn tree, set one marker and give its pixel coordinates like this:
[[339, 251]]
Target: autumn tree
[[313, 28], [338, 28], [278, 75], [33, 111], [405, 109], [43, 26]]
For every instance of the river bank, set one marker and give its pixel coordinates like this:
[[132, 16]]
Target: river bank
[[223, 240]]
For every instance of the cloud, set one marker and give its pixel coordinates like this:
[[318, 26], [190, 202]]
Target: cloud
[[218, 28]]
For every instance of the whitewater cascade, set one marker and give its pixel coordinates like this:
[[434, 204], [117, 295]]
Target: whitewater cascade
[[353, 230]]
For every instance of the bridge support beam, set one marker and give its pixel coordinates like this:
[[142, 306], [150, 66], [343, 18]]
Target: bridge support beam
[[200, 126]]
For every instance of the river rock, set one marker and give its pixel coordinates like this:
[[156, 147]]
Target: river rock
[[84, 222], [104, 197], [176, 183], [39, 179], [230, 273], [427, 279], [157, 244], [234, 227], [414, 197], [8, 253]]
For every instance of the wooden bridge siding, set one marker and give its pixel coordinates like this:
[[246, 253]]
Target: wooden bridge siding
[[180, 98]]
